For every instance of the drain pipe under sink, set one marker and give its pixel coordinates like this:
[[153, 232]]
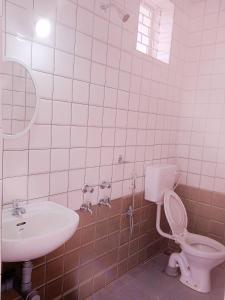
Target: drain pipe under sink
[[24, 288], [26, 284]]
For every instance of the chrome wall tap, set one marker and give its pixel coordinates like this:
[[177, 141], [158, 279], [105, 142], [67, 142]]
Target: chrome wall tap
[[87, 189], [17, 210], [105, 201], [87, 207], [105, 185]]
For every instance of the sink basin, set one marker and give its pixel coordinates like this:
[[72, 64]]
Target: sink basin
[[44, 227]]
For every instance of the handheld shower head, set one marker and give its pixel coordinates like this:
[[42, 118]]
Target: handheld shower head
[[123, 15]]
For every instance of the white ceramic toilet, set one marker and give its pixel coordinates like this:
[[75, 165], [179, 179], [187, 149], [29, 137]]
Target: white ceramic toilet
[[199, 254]]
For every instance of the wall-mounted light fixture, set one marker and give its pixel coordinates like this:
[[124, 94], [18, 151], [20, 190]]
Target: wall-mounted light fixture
[[43, 28]]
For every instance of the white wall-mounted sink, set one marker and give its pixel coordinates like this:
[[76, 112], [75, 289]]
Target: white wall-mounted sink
[[44, 227]]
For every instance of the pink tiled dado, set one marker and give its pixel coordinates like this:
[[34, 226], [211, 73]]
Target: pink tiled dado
[[101, 100]]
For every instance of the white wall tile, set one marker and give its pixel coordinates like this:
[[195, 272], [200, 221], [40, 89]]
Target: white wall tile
[[78, 136], [98, 73], [114, 35], [60, 136], [40, 137], [58, 182], [59, 159], [108, 137], [79, 114], [24, 3], [59, 199], [100, 29], [80, 91], [123, 100], [92, 178], [112, 77], [75, 199], [106, 155], [99, 51], [42, 58], [38, 186], [14, 188], [82, 69], [89, 4], [64, 64], [45, 8], [96, 95], [95, 116], [65, 38], [15, 163], [66, 13], [39, 161], [113, 57], [18, 48], [109, 117], [93, 157], [44, 84], [94, 137], [15, 22], [45, 112], [84, 21], [76, 179], [83, 45], [110, 97], [61, 113], [63, 88], [77, 158]]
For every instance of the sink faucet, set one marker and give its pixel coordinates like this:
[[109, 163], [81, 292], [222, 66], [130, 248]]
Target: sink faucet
[[17, 210], [105, 201]]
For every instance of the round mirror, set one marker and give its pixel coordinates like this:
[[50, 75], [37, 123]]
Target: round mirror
[[18, 98]]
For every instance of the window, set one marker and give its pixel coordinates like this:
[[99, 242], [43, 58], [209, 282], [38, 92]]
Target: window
[[155, 26]]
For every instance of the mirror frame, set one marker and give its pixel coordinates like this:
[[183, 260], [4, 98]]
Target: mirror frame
[[28, 127]]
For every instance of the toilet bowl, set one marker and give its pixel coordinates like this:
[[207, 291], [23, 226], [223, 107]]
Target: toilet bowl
[[199, 254]]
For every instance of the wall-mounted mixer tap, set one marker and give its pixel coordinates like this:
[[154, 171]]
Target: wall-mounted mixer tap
[[105, 185], [17, 210], [87, 189], [105, 201], [87, 207]]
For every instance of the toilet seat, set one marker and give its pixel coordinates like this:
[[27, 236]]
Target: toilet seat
[[201, 246], [175, 213], [194, 244]]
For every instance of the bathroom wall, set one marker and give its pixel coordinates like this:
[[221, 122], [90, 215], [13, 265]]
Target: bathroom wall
[[206, 211], [99, 98], [201, 137], [202, 119]]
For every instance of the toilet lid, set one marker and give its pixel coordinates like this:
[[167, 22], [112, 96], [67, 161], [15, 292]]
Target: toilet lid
[[175, 212]]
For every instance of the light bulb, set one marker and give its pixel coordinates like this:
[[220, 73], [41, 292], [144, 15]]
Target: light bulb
[[43, 28]]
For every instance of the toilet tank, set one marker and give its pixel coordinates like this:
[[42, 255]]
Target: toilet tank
[[158, 179]]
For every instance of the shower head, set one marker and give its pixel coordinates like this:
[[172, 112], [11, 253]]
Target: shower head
[[123, 15]]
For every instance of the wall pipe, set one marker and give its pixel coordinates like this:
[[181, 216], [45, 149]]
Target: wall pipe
[[23, 287]]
